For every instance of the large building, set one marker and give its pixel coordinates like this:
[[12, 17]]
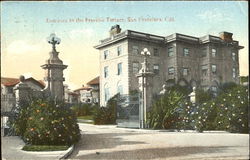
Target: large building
[[204, 62]]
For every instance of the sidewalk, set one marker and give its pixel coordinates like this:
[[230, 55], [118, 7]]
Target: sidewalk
[[11, 150]]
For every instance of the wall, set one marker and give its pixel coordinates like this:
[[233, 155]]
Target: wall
[[113, 79]]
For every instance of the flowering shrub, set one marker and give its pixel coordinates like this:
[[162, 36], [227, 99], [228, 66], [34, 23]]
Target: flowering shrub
[[199, 117], [232, 108], [48, 124], [228, 111]]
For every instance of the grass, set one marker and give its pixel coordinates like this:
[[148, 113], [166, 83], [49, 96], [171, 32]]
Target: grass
[[82, 118], [89, 117], [44, 148]]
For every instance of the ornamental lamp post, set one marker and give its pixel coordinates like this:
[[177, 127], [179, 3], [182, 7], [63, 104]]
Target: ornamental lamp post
[[143, 74], [52, 39]]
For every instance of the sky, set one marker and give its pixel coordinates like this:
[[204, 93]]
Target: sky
[[80, 25]]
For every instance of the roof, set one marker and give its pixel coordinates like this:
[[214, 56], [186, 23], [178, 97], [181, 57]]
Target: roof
[[94, 81], [160, 39], [73, 93], [83, 88], [6, 81], [9, 81]]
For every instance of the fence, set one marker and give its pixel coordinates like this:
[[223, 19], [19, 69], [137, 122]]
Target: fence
[[128, 111], [8, 101]]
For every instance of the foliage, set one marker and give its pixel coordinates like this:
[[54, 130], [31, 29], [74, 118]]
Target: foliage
[[133, 92], [106, 115], [203, 96], [83, 109], [45, 123], [163, 113], [228, 111], [244, 79], [226, 87], [89, 117], [18, 121], [199, 117], [233, 110], [44, 148]]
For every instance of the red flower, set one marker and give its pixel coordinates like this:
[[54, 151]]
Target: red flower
[[43, 104]]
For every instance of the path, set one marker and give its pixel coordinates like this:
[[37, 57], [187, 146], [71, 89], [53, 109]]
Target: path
[[109, 142], [11, 150]]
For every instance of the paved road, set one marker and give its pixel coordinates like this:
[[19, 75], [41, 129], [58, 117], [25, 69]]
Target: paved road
[[109, 142]]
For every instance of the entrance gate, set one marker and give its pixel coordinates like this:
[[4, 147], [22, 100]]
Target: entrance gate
[[128, 111]]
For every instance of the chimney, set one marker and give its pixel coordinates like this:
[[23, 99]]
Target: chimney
[[226, 36], [115, 30]]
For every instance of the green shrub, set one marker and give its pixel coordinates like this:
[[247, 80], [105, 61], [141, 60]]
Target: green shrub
[[163, 112], [106, 115], [47, 124], [233, 110], [83, 109], [228, 111], [203, 96]]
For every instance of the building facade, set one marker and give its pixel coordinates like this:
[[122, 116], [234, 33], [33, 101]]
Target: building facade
[[204, 62], [94, 85], [89, 93]]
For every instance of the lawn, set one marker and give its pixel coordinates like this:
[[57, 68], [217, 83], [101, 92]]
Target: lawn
[[85, 119], [89, 117], [44, 148]]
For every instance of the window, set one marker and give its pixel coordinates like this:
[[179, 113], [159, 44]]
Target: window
[[234, 73], [170, 51], [214, 89], [119, 88], [186, 52], [204, 52], [213, 52], [213, 68], [185, 71], [135, 67], [204, 69], [106, 93], [233, 56], [156, 52], [135, 50], [156, 68], [119, 50], [105, 71], [106, 52], [170, 70], [119, 68]]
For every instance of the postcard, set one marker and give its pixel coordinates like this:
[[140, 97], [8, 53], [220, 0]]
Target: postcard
[[124, 80]]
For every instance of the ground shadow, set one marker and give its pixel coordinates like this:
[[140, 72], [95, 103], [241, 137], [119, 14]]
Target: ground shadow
[[104, 140], [153, 153]]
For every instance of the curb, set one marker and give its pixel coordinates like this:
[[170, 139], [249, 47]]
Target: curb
[[68, 152]]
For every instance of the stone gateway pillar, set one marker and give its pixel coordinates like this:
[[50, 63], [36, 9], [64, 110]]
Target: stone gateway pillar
[[54, 71]]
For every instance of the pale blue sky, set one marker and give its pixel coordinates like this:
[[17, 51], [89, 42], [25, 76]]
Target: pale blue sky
[[24, 23]]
